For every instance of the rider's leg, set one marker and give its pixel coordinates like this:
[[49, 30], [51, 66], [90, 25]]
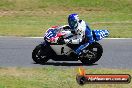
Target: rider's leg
[[79, 50]]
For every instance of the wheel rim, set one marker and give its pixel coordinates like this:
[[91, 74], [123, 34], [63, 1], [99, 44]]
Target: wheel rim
[[92, 53], [95, 48], [39, 56]]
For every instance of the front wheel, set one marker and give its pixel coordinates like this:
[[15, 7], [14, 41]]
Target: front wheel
[[39, 54], [94, 53]]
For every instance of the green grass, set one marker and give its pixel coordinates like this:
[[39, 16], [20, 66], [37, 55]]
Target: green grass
[[53, 77], [27, 24], [111, 5], [34, 17]]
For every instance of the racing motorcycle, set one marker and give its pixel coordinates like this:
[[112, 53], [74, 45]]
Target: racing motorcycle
[[60, 51]]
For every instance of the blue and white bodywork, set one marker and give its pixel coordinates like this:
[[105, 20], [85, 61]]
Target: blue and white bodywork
[[99, 34], [53, 48]]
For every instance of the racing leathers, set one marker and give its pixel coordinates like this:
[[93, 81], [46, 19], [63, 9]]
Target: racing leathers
[[82, 36]]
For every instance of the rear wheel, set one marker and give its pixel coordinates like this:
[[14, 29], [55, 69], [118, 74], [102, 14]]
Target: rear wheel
[[40, 54], [94, 53]]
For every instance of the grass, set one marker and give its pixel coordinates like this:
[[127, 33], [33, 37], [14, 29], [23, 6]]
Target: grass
[[26, 24], [52, 77], [34, 17], [68, 4]]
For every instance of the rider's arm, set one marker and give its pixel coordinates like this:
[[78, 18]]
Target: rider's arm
[[78, 35], [65, 27], [75, 38]]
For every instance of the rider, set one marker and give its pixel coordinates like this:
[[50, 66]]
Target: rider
[[81, 33]]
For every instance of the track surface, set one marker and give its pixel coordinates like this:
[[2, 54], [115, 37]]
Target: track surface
[[17, 52]]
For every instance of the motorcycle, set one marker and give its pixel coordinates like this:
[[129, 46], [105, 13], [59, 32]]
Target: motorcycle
[[60, 51]]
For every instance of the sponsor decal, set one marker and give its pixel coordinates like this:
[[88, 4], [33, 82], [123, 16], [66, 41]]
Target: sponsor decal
[[83, 78]]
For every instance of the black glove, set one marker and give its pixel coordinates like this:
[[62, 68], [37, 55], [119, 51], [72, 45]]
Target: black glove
[[66, 27]]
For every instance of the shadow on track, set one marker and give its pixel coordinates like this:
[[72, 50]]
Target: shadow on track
[[66, 64]]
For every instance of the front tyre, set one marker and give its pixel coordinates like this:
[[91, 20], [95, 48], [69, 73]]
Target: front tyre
[[39, 54], [94, 53]]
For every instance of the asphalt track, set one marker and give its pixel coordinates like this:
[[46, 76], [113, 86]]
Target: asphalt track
[[17, 52]]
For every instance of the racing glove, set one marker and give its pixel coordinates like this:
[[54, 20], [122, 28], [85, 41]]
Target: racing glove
[[67, 41], [72, 41]]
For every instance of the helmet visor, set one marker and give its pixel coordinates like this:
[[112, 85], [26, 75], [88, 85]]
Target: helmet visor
[[73, 23]]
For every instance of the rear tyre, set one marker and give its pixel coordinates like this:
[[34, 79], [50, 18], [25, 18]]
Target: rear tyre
[[40, 54], [94, 53]]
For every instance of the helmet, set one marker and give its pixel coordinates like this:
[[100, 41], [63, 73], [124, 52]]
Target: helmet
[[73, 20]]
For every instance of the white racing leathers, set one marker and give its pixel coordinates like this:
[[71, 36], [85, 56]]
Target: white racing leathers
[[82, 36]]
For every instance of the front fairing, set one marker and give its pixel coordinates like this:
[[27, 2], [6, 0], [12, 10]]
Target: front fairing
[[50, 33]]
